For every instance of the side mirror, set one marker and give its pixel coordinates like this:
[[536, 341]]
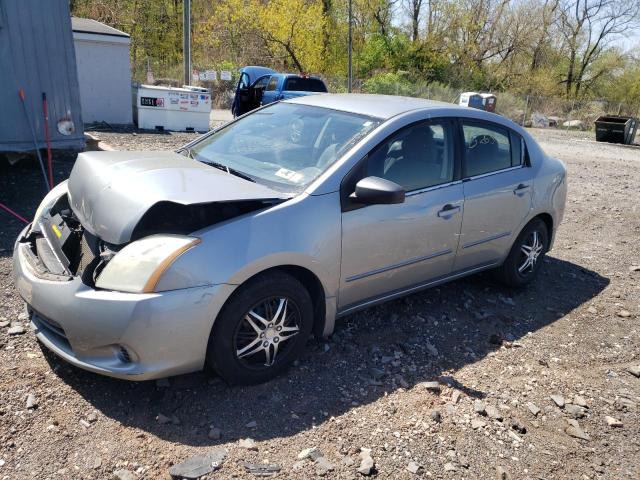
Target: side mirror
[[377, 191]]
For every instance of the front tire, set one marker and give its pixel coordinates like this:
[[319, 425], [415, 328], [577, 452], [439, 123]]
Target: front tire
[[526, 255], [261, 330]]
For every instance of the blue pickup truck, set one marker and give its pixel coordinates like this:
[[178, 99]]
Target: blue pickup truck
[[260, 85]]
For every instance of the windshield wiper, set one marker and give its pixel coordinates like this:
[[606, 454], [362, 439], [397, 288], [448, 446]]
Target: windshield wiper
[[229, 170]]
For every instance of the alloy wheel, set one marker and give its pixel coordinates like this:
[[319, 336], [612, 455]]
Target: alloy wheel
[[264, 333], [529, 253]]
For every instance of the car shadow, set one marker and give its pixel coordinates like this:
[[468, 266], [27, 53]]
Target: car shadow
[[426, 336]]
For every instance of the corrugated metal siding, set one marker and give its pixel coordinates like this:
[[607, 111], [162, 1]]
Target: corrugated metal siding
[[37, 55]]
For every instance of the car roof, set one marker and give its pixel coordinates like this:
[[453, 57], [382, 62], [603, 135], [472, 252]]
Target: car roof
[[254, 71], [379, 106]]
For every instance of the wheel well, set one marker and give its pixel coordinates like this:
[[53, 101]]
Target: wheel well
[[548, 221], [313, 285]]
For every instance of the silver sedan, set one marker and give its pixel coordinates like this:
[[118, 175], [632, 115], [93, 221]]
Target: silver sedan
[[233, 250]]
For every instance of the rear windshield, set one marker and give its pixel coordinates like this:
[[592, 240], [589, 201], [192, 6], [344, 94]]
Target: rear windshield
[[300, 84]]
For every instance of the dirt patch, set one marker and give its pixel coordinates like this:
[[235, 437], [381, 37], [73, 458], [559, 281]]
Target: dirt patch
[[498, 355]]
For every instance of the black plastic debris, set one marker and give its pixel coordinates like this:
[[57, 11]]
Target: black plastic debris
[[261, 469], [195, 467]]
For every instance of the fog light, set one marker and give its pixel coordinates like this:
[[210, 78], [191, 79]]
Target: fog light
[[123, 355]]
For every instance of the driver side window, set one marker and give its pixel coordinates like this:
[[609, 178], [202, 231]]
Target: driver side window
[[273, 84], [415, 157]]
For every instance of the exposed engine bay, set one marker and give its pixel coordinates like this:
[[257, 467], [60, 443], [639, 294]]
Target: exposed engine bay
[[62, 248]]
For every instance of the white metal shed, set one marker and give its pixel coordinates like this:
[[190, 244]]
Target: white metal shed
[[104, 72]]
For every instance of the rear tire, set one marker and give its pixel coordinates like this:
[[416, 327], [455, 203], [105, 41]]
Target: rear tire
[[526, 255], [261, 330]]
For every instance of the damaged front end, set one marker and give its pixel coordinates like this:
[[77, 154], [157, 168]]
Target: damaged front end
[[77, 232], [59, 248]]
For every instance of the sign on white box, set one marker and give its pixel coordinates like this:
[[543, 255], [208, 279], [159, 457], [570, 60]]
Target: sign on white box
[[177, 109]]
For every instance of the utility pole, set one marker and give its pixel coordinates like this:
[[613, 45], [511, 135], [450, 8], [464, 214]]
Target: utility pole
[[350, 85], [186, 41]]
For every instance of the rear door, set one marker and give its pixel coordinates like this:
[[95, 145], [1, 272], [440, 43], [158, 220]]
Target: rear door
[[497, 193]]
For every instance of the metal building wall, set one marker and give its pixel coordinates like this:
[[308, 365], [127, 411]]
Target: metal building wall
[[37, 55]]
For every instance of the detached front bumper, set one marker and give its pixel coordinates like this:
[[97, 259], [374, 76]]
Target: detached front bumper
[[123, 335]]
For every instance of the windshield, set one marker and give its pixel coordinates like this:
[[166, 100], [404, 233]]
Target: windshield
[[284, 146]]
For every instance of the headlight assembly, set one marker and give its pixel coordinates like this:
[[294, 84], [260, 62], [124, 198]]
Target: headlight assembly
[[137, 268]]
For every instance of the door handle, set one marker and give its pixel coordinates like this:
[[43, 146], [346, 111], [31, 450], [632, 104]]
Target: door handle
[[448, 210], [521, 189]]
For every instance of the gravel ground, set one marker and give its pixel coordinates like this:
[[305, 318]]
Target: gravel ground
[[499, 356]]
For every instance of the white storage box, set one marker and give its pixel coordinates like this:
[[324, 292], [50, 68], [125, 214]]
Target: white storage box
[[166, 108]]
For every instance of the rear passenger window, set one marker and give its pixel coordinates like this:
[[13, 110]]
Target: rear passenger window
[[488, 148]]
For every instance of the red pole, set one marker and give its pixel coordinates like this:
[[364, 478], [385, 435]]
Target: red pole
[[45, 108], [4, 207]]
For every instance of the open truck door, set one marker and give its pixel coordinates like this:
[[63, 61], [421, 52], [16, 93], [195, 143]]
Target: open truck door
[[251, 85]]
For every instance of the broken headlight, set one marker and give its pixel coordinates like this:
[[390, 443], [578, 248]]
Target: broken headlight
[[49, 200], [137, 268]]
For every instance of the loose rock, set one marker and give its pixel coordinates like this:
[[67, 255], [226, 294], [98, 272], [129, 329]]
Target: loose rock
[[324, 466], [431, 386], [624, 314], [494, 413], [162, 419], [366, 464], [476, 423], [247, 443], [533, 408], [413, 467], [123, 474], [574, 411], [16, 330], [31, 401], [576, 431], [580, 401], [449, 467], [558, 400], [634, 370], [195, 467], [479, 407], [313, 453], [612, 422]]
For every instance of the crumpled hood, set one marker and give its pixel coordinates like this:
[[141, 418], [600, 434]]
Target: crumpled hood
[[110, 191]]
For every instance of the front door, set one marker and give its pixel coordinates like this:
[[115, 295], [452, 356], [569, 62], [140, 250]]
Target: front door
[[270, 94], [389, 248], [497, 192]]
